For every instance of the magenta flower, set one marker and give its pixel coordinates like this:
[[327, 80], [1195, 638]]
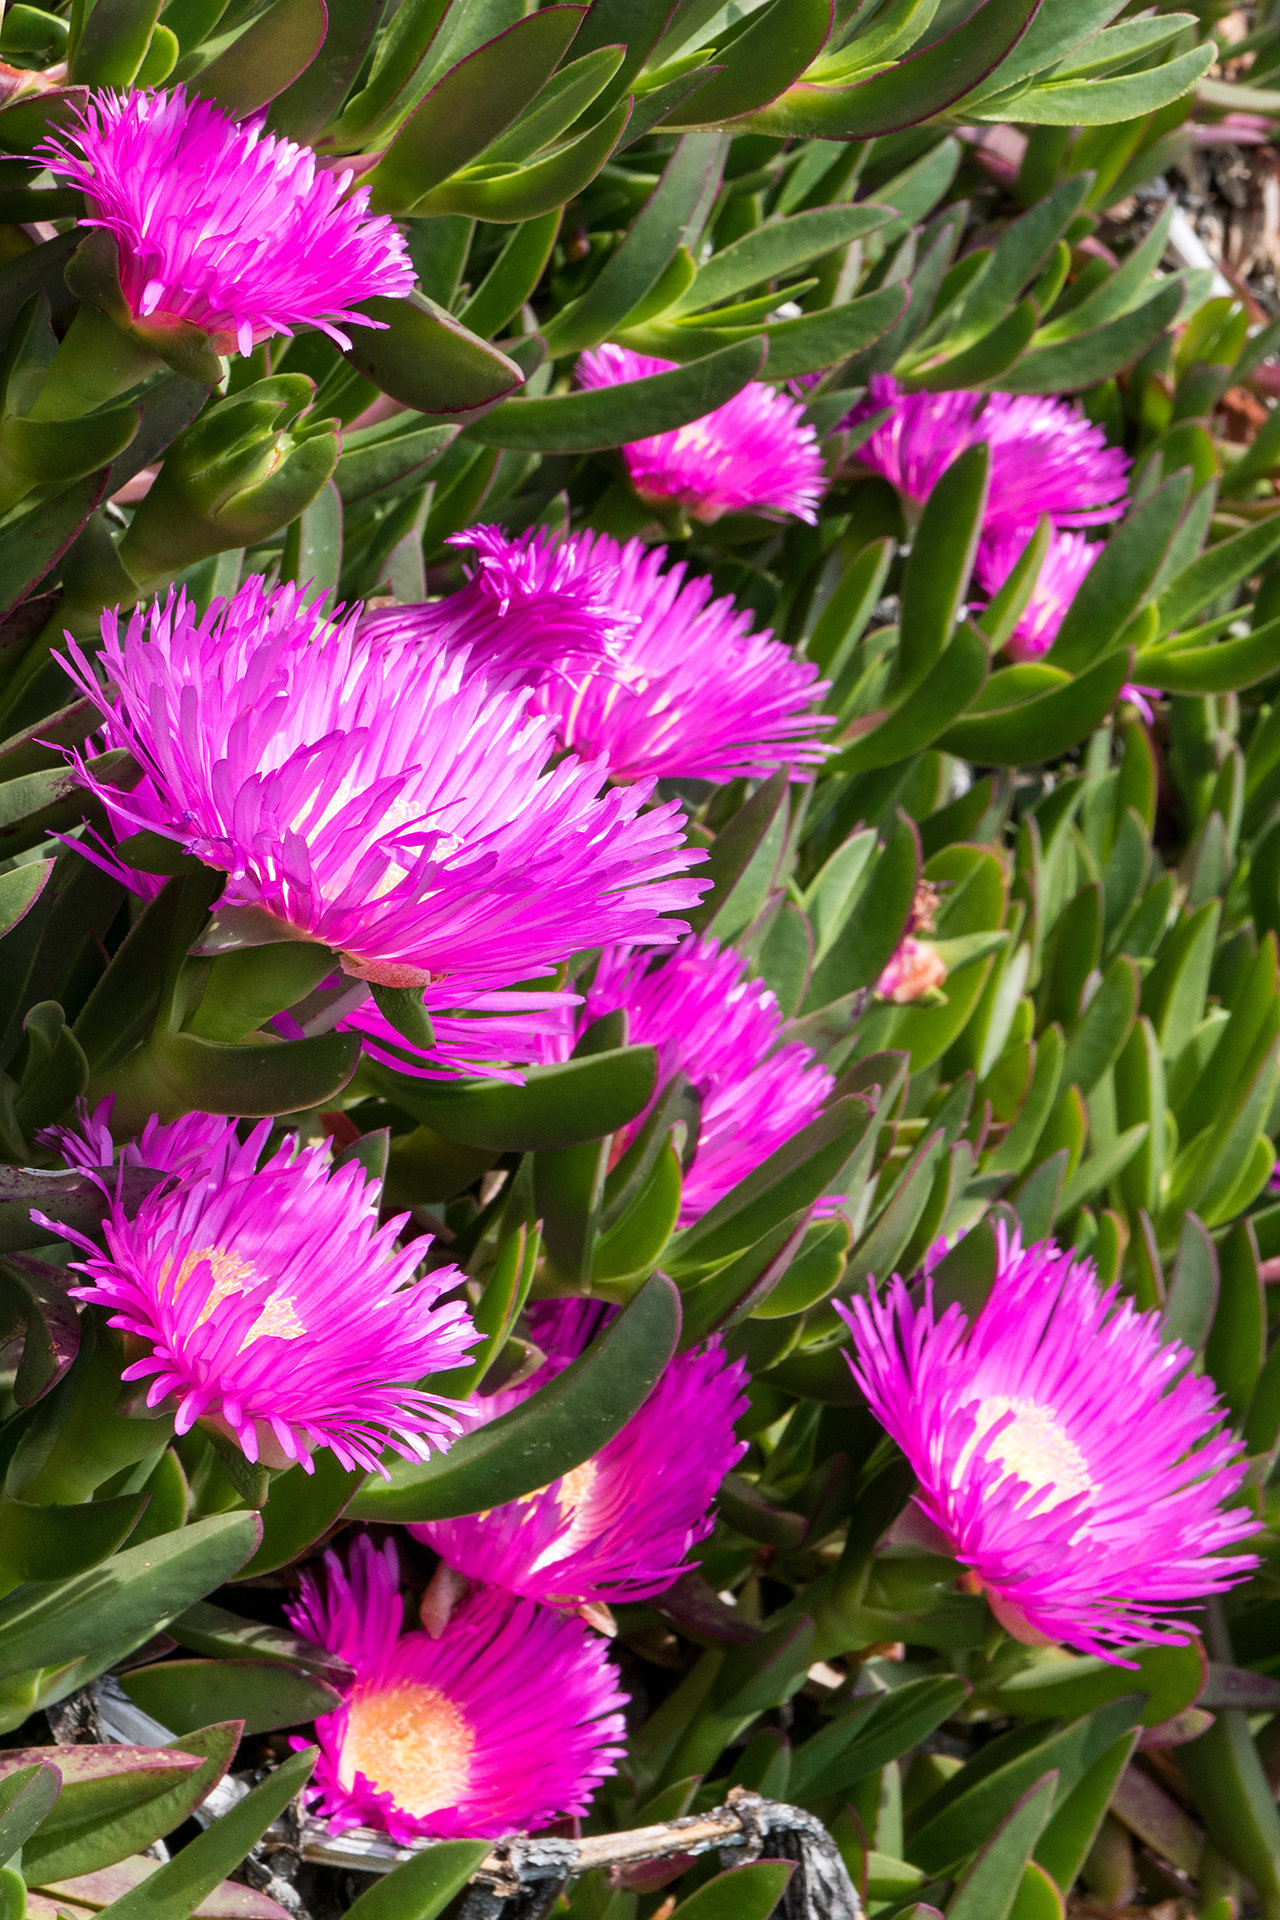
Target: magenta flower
[[620, 1526], [529, 612], [1087, 1499], [755, 454], [225, 227], [381, 802], [1068, 559], [182, 1146], [690, 691], [1045, 456], [271, 1304], [725, 1031], [508, 1721]]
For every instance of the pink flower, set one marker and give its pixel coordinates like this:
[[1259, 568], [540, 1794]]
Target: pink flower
[[1065, 1452], [690, 692], [529, 613], [725, 1031], [225, 227], [1045, 456], [384, 803], [755, 454], [270, 1302], [508, 1721], [181, 1146], [1069, 557], [620, 1526]]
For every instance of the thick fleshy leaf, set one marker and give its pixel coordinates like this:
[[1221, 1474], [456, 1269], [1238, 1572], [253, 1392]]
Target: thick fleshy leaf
[[186, 1694], [183, 1882], [266, 58], [776, 47], [608, 416], [507, 193], [558, 1106], [916, 88], [126, 1599], [547, 1435], [27, 1794], [422, 356], [470, 106], [422, 1887], [101, 1817]]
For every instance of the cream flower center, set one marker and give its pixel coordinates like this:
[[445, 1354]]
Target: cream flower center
[[231, 1276], [1036, 1446], [411, 1742], [573, 1495]]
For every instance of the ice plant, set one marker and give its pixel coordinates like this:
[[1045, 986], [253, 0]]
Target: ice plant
[[384, 803], [1068, 560], [529, 612], [1065, 1452], [1046, 457], [183, 1146], [223, 226], [622, 1525], [709, 1020], [269, 1303], [754, 454], [510, 1719], [687, 689]]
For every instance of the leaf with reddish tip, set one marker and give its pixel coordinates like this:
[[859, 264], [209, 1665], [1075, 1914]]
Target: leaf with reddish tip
[[86, 1834], [266, 58], [230, 1901], [919, 86]]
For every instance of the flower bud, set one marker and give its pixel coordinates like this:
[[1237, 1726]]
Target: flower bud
[[248, 466]]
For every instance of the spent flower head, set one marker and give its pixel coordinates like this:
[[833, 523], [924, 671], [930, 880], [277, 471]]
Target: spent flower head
[[754, 454], [223, 226], [1065, 1452], [267, 1301], [508, 1720]]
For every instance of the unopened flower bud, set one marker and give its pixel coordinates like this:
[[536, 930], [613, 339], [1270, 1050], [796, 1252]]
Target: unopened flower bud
[[241, 472]]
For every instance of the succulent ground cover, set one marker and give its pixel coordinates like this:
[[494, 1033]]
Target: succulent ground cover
[[639, 977]]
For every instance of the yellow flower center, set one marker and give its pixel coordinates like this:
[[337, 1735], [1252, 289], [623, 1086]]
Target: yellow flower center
[[1036, 1447], [231, 1276], [411, 1742]]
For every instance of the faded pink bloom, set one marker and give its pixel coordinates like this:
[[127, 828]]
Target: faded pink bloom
[[620, 1526], [225, 227], [270, 1301], [914, 968], [754, 454], [1045, 456], [507, 1721], [1087, 1499]]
